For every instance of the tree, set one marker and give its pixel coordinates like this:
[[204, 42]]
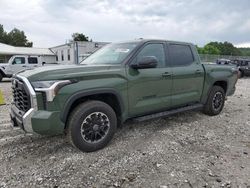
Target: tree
[[18, 38], [199, 49], [220, 48], [79, 37], [210, 49], [15, 37], [3, 35], [226, 48], [245, 51]]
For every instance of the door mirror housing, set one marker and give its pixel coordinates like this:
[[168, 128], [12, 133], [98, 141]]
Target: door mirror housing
[[146, 62]]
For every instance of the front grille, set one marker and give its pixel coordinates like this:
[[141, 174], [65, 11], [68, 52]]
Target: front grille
[[21, 97]]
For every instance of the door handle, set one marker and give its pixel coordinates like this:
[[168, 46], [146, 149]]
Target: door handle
[[198, 72], [166, 74], [24, 66]]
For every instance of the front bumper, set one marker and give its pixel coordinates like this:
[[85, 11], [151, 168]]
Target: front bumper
[[34, 120], [22, 120], [39, 122]]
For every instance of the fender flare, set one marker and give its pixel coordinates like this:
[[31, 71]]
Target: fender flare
[[204, 100], [80, 94], [2, 72]]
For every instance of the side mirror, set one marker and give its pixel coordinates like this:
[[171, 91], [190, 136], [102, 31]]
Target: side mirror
[[146, 62]]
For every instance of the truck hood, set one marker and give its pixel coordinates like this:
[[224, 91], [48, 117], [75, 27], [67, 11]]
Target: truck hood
[[63, 72]]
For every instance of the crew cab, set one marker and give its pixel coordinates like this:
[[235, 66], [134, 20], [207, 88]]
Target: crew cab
[[18, 63], [136, 80]]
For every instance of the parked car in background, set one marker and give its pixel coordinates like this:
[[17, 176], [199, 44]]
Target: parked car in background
[[243, 66], [18, 63], [223, 62], [138, 80]]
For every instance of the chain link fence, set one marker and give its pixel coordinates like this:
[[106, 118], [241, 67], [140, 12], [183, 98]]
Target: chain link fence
[[213, 58]]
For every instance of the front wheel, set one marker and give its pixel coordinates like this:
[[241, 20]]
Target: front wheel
[[91, 126], [215, 101], [1, 76]]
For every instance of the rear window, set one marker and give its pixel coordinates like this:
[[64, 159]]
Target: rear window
[[180, 54], [32, 60]]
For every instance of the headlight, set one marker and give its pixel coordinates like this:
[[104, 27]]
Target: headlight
[[50, 88]]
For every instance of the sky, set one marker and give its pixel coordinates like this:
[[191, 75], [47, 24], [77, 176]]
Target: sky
[[49, 23]]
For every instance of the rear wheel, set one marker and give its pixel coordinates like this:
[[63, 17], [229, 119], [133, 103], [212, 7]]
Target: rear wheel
[[215, 101], [91, 126]]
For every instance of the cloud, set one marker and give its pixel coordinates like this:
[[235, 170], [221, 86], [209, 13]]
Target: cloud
[[51, 22], [243, 45]]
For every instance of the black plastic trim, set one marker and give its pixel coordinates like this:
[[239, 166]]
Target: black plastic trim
[[81, 94], [168, 112]]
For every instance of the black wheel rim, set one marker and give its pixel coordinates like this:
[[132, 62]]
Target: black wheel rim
[[217, 101], [95, 127]]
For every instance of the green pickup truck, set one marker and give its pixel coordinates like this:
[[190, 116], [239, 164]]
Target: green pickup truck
[[136, 80]]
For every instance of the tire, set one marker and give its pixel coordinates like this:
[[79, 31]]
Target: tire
[[215, 101], [91, 126], [1, 76]]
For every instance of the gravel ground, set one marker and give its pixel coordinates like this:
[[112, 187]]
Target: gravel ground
[[185, 150]]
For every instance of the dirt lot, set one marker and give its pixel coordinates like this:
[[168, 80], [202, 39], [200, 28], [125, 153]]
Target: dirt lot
[[185, 150]]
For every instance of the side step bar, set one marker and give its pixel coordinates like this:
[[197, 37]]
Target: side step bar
[[168, 113]]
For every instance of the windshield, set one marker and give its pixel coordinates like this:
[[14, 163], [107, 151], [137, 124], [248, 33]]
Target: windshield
[[111, 54]]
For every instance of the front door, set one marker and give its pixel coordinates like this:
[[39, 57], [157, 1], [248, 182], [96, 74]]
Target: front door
[[17, 65], [149, 90]]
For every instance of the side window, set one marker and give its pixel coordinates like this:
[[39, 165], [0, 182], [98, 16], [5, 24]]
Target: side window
[[68, 54], [180, 55], [56, 56], [156, 50], [32, 60], [244, 63], [18, 61], [62, 55]]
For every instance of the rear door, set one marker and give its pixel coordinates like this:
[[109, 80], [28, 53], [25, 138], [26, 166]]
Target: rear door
[[32, 62], [188, 74], [149, 90]]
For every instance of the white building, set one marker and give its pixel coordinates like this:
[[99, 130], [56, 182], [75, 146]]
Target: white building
[[75, 52], [70, 53], [6, 51]]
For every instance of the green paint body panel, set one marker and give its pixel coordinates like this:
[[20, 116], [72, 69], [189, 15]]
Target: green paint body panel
[[141, 91], [47, 122]]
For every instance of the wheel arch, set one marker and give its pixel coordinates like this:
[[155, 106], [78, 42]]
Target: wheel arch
[[221, 83], [109, 96], [2, 72]]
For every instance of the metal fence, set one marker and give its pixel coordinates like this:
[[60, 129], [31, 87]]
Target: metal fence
[[213, 58]]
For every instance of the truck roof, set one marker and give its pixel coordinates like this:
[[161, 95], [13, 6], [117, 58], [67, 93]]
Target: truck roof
[[154, 40]]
